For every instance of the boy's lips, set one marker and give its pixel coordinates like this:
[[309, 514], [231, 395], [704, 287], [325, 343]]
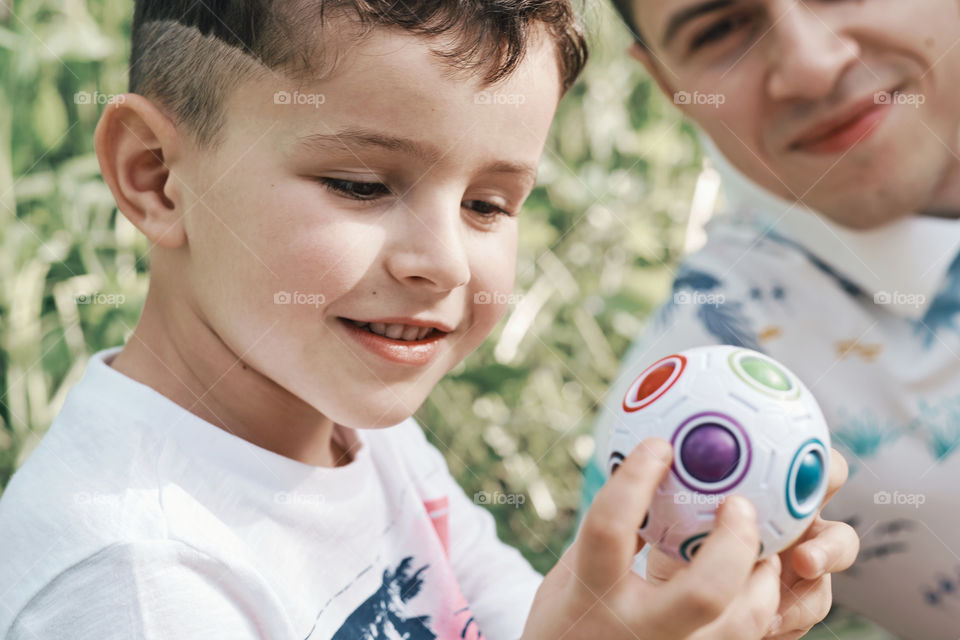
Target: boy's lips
[[412, 352]]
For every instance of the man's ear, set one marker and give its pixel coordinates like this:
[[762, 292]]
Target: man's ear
[[641, 54], [136, 145]]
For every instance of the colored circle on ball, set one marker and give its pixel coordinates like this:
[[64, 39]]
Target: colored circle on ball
[[766, 373], [710, 453], [654, 382], [809, 475], [806, 482], [655, 379]]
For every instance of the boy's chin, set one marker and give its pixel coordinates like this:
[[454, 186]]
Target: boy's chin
[[374, 416]]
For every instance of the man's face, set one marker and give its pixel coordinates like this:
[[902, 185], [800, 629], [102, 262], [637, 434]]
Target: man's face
[[377, 194], [850, 106]]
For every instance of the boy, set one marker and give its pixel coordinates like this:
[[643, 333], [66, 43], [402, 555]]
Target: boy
[[330, 191], [849, 112]]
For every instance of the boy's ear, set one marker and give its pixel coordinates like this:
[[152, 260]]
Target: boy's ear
[[641, 54], [136, 144]]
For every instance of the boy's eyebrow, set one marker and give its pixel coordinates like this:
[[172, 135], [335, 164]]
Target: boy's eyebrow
[[682, 17], [324, 142], [367, 138]]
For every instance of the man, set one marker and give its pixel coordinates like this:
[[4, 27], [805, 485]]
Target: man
[[845, 115]]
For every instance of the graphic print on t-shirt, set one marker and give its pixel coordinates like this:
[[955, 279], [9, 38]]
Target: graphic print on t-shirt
[[381, 615], [384, 614]]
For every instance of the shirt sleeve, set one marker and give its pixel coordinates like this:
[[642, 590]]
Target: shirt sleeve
[[151, 590], [497, 581]]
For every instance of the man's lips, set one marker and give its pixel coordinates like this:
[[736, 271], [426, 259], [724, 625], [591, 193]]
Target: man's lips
[[850, 126]]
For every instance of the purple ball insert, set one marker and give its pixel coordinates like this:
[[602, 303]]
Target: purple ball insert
[[710, 453]]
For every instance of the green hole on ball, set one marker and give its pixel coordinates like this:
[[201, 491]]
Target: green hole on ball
[[766, 373]]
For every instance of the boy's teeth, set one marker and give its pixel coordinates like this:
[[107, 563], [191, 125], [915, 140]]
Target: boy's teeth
[[396, 331]]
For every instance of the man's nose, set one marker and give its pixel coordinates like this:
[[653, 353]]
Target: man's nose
[[808, 54]]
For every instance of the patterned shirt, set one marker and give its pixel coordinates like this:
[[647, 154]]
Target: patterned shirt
[[870, 321]]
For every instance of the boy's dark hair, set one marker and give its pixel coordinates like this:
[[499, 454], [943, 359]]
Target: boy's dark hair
[[188, 54]]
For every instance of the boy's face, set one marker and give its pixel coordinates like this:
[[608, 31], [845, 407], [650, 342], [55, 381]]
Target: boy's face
[[376, 194], [851, 106]]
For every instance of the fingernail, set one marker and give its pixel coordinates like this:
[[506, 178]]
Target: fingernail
[[741, 506]]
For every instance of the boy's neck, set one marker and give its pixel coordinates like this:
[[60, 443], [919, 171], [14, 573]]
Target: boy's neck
[[175, 353]]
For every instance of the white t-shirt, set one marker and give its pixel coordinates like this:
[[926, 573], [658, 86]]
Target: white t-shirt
[[134, 518], [871, 322]]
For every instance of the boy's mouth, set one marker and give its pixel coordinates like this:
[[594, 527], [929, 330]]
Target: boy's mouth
[[412, 342], [401, 332]]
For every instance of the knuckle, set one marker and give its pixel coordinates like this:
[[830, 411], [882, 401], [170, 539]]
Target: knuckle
[[704, 602], [599, 530]]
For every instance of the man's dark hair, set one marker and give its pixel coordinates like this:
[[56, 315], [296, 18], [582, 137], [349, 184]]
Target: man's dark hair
[[189, 54], [625, 9]]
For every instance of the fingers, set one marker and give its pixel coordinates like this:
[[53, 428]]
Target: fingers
[[839, 471], [830, 547], [661, 566], [608, 537], [719, 570], [803, 606], [754, 611], [756, 607]]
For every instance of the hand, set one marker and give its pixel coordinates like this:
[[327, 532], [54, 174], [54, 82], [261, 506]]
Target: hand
[[592, 593], [805, 585], [826, 547]]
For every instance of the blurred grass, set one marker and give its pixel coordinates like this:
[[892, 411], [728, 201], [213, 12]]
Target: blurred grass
[[598, 238]]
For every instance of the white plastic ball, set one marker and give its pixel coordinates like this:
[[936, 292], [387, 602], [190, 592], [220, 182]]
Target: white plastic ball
[[740, 423]]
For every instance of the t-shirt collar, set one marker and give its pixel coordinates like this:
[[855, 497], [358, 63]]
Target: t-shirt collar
[[902, 265]]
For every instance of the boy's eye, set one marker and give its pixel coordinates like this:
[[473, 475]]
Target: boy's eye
[[356, 190], [719, 30], [486, 209]]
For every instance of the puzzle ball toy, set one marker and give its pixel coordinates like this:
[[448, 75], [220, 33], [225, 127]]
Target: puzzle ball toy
[[740, 423]]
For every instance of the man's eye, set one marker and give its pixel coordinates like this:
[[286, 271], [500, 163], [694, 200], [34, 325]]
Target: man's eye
[[486, 208], [356, 190], [718, 31]]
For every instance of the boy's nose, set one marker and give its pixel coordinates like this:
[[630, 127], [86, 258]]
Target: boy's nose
[[808, 55], [430, 250]]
